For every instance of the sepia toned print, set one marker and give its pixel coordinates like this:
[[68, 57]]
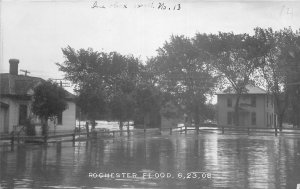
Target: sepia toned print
[[149, 94]]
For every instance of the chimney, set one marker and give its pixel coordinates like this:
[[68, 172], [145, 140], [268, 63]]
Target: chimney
[[13, 69]]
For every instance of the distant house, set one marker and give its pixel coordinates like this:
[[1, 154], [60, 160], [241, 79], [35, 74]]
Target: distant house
[[256, 108], [16, 93]]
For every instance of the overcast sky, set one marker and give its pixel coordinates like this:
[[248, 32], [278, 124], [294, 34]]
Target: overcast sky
[[35, 31]]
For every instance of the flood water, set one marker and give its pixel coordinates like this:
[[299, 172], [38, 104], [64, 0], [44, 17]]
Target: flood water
[[216, 160]]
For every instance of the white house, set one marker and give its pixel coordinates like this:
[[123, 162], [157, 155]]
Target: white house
[[16, 98], [256, 108]]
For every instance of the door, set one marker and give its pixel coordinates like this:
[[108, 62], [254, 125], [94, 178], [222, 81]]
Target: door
[[22, 114], [244, 119], [6, 126], [4, 119]]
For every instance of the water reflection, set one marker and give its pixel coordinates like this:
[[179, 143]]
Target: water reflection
[[234, 162]]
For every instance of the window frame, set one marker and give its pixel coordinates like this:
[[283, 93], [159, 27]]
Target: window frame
[[253, 100], [253, 118], [229, 102], [229, 118], [22, 119]]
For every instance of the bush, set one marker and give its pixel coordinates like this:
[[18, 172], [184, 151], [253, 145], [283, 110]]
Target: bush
[[29, 128]]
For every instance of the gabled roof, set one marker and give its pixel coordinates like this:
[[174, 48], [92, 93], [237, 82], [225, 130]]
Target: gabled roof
[[21, 86], [17, 84], [250, 90], [3, 105]]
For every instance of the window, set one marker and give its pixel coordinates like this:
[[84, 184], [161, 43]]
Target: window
[[272, 102], [253, 101], [253, 118], [22, 114], [229, 118], [59, 119], [229, 102], [272, 119]]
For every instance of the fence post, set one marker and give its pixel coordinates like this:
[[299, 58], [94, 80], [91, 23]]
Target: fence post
[[275, 131], [171, 131], [73, 139], [113, 133], [128, 133], [222, 130], [45, 139], [185, 128], [180, 130], [12, 141]]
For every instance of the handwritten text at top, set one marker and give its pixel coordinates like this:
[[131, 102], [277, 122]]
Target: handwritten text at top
[[153, 5]]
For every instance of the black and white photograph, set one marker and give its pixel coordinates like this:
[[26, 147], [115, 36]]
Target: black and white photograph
[[153, 94]]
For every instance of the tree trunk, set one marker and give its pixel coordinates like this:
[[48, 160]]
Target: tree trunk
[[121, 125], [128, 126], [280, 121], [146, 120], [236, 110], [298, 121], [196, 117], [44, 126], [281, 107], [93, 122], [87, 128]]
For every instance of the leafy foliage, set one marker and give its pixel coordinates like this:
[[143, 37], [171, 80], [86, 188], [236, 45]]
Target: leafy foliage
[[280, 66], [105, 82], [49, 100], [185, 73]]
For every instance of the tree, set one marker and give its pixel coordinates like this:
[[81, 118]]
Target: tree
[[291, 56], [280, 68], [185, 74], [87, 69], [235, 58], [122, 108], [104, 82], [148, 104], [48, 102], [124, 75], [91, 103], [150, 98], [274, 69]]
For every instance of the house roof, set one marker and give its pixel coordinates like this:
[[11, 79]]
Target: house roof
[[250, 90], [20, 85], [3, 105], [17, 84]]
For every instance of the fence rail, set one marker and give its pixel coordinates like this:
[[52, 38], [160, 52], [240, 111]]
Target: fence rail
[[75, 136]]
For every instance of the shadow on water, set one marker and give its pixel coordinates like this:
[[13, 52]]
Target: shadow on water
[[234, 161]]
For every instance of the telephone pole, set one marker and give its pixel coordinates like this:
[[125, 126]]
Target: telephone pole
[[62, 82], [25, 72]]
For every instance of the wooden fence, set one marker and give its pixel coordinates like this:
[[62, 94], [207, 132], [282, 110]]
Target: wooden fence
[[76, 136]]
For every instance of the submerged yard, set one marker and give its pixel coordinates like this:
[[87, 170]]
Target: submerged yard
[[207, 160]]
